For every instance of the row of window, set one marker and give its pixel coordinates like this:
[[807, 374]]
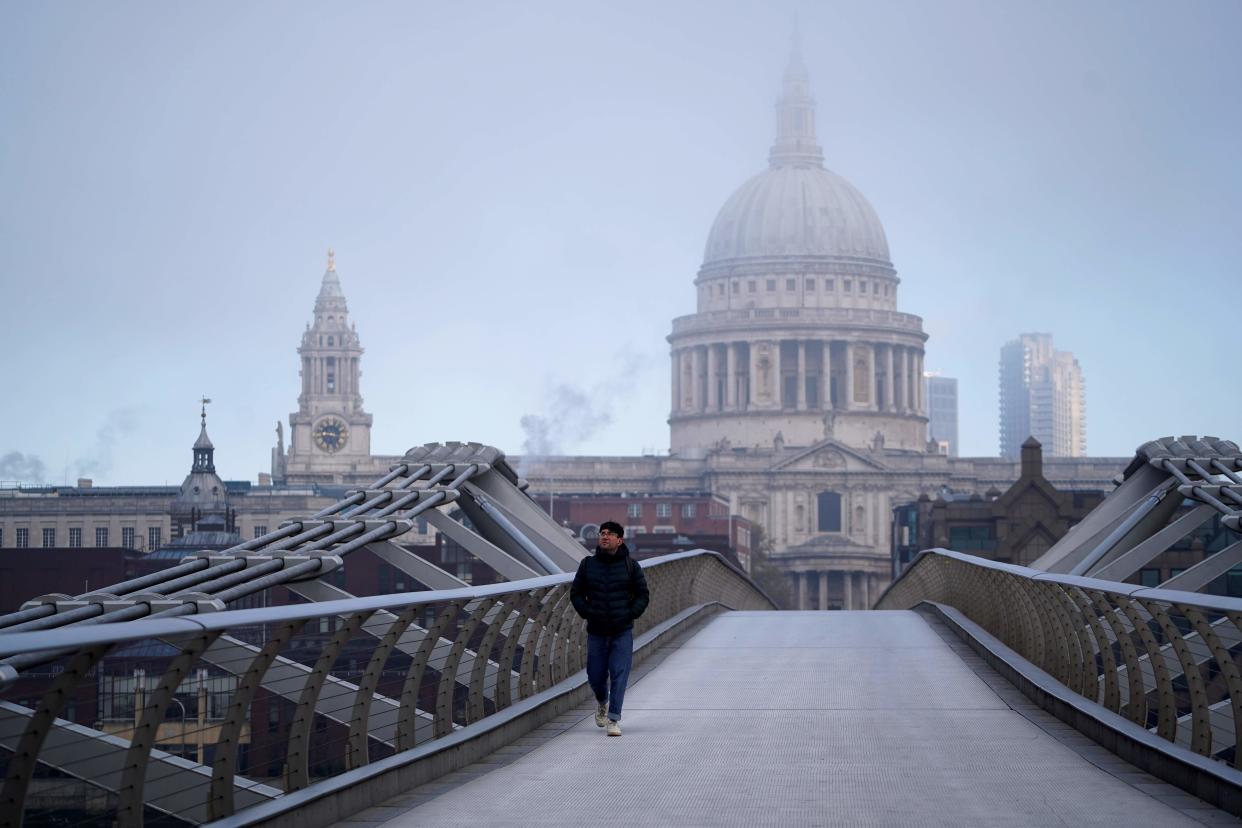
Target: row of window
[[688, 510], [128, 537], [810, 285]]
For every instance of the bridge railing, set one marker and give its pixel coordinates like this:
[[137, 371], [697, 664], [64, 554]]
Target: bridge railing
[[1164, 659], [193, 719]]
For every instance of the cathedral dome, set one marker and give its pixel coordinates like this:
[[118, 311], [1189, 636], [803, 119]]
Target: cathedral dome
[[796, 207], [796, 210]]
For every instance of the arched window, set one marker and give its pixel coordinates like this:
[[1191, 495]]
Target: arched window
[[331, 341], [828, 509]]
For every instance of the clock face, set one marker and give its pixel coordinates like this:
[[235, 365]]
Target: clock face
[[330, 434]]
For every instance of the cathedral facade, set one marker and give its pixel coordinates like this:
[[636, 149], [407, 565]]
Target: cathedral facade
[[797, 385]]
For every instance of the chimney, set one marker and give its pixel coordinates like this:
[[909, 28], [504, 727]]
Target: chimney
[[1032, 458]]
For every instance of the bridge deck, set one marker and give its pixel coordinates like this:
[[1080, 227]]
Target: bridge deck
[[811, 718]]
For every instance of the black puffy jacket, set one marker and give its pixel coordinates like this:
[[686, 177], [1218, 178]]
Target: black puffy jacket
[[609, 591]]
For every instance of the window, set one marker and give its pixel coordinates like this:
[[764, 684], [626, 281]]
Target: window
[[830, 284], [664, 509], [771, 285], [791, 284], [810, 284], [886, 290], [635, 510], [862, 285], [664, 530], [688, 509], [737, 287], [75, 537], [828, 507], [1233, 583], [875, 287], [127, 537], [259, 530], [750, 286], [23, 538], [331, 382], [636, 530], [331, 341], [1149, 577], [101, 536], [720, 289], [848, 284], [970, 538], [153, 538], [49, 538]]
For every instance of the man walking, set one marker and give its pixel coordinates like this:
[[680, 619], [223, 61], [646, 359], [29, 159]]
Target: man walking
[[609, 591]]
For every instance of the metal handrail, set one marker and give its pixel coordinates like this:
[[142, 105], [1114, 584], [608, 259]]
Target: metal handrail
[[373, 677], [1164, 659]]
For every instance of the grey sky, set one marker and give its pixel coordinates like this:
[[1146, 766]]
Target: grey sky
[[519, 195]]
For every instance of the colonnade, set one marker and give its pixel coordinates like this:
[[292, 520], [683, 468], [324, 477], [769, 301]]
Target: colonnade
[[855, 590], [798, 375]]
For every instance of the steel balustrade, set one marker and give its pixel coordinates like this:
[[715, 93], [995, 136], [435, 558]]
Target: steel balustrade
[[1164, 659], [133, 721]]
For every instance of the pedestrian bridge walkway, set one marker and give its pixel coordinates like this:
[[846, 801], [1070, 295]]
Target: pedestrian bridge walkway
[[807, 718]]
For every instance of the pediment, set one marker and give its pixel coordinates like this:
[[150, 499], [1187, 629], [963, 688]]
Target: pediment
[[830, 455]]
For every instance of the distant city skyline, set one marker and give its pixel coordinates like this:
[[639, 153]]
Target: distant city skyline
[[519, 200]]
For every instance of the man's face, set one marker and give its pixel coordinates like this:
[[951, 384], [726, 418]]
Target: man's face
[[608, 541]]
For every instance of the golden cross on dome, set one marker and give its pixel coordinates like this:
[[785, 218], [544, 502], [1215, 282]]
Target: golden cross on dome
[[331, 259]]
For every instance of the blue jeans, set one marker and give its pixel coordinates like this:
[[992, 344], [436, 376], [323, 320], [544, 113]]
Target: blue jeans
[[608, 668]]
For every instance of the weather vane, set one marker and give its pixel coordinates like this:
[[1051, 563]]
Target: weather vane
[[205, 400]]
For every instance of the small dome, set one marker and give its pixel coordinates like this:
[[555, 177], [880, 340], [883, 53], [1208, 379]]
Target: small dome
[[796, 211]]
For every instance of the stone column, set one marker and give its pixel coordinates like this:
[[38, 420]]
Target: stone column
[[676, 381], [802, 578], [696, 374], [908, 368], [889, 385], [898, 397], [713, 386], [801, 375], [847, 579], [825, 377], [873, 365], [823, 589], [731, 378], [866, 589], [777, 380], [752, 377], [849, 376], [918, 374]]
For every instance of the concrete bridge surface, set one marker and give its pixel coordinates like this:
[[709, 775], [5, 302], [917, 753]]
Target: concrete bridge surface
[[807, 718]]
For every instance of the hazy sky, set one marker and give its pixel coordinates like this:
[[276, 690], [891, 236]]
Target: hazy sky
[[519, 195]]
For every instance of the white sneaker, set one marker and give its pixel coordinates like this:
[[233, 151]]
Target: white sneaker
[[601, 716], [614, 729]]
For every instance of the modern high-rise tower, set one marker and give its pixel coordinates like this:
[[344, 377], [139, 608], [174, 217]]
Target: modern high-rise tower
[[942, 411], [1042, 396]]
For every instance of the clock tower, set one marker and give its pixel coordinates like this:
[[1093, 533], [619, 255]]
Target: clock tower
[[330, 434]]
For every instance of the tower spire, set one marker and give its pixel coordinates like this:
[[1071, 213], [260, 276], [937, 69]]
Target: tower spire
[[204, 451], [796, 144]]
